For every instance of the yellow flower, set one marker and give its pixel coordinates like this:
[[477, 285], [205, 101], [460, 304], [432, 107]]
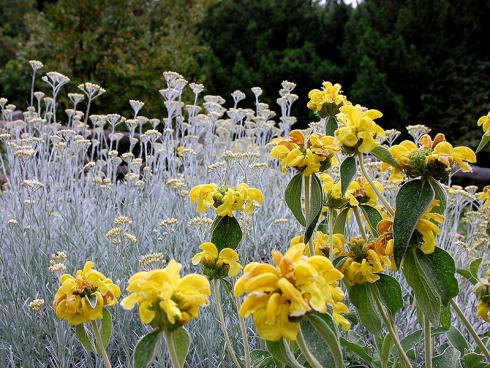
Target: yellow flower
[[485, 196], [304, 155], [203, 194], [359, 131], [251, 196], [165, 300], [484, 122], [483, 293], [326, 101], [483, 311], [401, 153], [363, 263], [322, 243], [296, 285], [217, 265], [428, 228], [445, 153], [75, 299]]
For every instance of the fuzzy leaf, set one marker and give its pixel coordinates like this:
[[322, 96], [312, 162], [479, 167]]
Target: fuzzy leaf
[[361, 296], [182, 342], [457, 340], [440, 195], [323, 325], [381, 153], [145, 349], [316, 204], [82, 336], [390, 292], [292, 196], [331, 126], [347, 173], [226, 233], [361, 351], [449, 358], [106, 327], [412, 201], [92, 300], [340, 221], [484, 140], [373, 217]]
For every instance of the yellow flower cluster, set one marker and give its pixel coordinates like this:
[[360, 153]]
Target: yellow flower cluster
[[165, 300], [217, 264], [483, 293], [433, 157], [358, 132], [309, 156], [363, 262], [326, 101], [278, 295], [81, 299], [484, 122], [358, 192], [225, 199], [321, 242]]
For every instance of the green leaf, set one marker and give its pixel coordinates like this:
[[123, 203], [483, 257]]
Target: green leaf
[[487, 230], [410, 342], [315, 343], [475, 266], [361, 351], [106, 327], [467, 275], [261, 358], [457, 340], [323, 225], [347, 173], [316, 204], [373, 217], [390, 292], [432, 279], [383, 154], [82, 336], [484, 140], [340, 221], [445, 318], [440, 195], [227, 286], [412, 201], [331, 126], [182, 342], [384, 354], [474, 360], [278, 351], [92, 300], [145, 349], [226, 233], [449, 358], [323, 325], [361, 296], [292, 196]]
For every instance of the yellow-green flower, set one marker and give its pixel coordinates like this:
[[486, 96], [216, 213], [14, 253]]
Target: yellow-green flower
[[165, 300], [326, 101], [485, 196], [358, 132], [217, 264], [483, 293], [277, 295], [484, 122], [81, 299]]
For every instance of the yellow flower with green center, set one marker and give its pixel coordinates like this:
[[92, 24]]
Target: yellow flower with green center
[[217, 264], [276, 296], [427, 227], [358, 132], [326, 101], [309, 156], [363, 263], [81, 299], [224, 200], [484, 122], [483, 293], [165, 300]]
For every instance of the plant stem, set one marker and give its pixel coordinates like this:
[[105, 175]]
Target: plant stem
[[243, 330], [391, 328], [470, 329], [306, 352], [291, 358], [383, 200], [219, 309], [171, 350], [427, 343], [307, 211], [359, 223], [331, 253], [100, 345]]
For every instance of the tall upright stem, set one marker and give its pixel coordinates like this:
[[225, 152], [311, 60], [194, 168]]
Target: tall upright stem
[[427, 343], [100, 345], [307, 211], [331, 253], [391, 328], [172, 352], [470, 329], [219, 309], [359, 224], [371, 183], [243, 330]]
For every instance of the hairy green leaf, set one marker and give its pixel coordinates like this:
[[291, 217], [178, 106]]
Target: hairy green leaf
[[292, 196], [347, 173], [381, 153], [226, 233], [145, 349], [391, 293]]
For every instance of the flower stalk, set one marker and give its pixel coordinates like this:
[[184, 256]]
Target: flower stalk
[[172, 352], [243, 331], [307, 211], [100, 345], [427, 343]]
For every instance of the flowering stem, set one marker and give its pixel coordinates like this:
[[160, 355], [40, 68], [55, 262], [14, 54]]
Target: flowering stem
[[306, 352], [100, 345], [359, 223], [391, 328], [290, 355], [378, 194], [331, 253], [243, 330], [427, 343], [470, 329], [171, 350], [219, 309], [307, 210]]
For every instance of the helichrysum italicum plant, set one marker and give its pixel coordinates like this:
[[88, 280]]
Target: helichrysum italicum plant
[[342, 266]]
